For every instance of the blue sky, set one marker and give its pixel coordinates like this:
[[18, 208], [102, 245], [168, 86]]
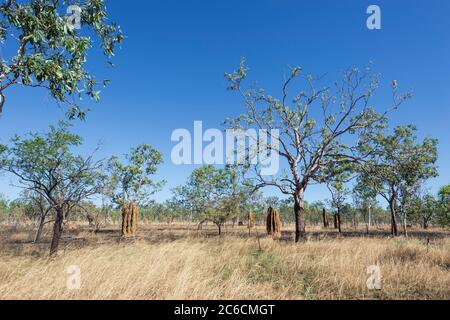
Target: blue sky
[[170, 69]]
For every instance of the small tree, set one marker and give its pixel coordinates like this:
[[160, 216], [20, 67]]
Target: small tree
[[335, 175], [3, 207], [45, 165], [19, 211], [398, 164], [316, 127], [212, 194], [131, 184], [50, 52], [338, 196], [430, 208], [365, 201], [444, 199]]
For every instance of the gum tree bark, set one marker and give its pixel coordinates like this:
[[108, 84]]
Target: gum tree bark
[[299, 210], [392, 207]]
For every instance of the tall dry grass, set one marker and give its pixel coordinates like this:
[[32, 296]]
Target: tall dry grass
[[231, 267]]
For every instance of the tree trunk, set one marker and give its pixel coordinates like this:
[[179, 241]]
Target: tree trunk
[[335, 221], [39, 230], [200, 225], [129, 220], [57, 231], [394, 230], [325, 218], [338, 221], [425, 223], [219, 225], [299, 211]]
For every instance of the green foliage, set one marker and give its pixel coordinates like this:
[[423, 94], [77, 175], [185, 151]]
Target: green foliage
[[38, 153], [399, 164], [319, 126], [313, 212], [310, 143], [444, 202], [51, 54], [45, 164], [213, 193], [21, 208], [444, 194], [3, 202], [132, 182], [3, 207], [425, 209]]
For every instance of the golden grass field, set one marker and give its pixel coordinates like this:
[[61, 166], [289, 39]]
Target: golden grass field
[[177, 262]]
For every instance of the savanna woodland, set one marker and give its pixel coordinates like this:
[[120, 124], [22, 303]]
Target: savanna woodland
[[222, 231]]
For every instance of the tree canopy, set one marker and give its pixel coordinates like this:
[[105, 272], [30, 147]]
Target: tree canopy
[[318, 126], [46, 165], [398, 165], [214, 194], [132, 181], [50, 52]]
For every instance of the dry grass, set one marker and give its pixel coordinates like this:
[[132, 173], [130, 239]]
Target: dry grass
[[173, 263]]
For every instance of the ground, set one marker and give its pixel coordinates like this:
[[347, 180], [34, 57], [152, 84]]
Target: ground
[[178, 262]]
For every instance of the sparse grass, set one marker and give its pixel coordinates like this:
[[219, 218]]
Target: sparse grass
[[174, 263]]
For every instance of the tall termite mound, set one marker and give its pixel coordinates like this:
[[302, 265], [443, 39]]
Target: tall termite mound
[[129, 219], [251, 219], [273, 223]]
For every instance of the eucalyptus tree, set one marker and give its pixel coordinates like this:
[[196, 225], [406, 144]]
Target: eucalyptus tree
[[399, 163], [444, 199], [212, 194], [444, 195], [45, 164], [338, 193], [427, 208], [19, 210], [317, 126], [48, 43], [131, 184], [365, 200], [3, 207], [335, 175]]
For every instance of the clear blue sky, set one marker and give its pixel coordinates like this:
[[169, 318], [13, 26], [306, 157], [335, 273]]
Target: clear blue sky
[[170, 69]]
